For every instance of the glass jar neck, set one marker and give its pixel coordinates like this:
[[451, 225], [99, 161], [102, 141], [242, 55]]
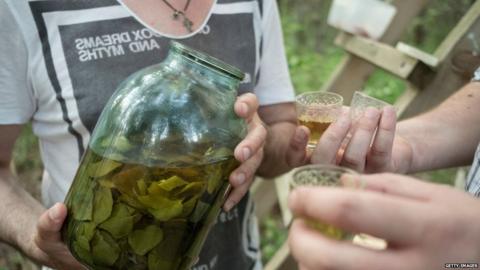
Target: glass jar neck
[[177, 61]]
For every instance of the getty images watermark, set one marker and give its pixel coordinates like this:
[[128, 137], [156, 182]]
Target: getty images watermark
[[461, 265]]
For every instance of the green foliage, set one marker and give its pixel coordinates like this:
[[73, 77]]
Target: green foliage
[[25, 152], [429, 29], [444, 176], [384, 86], [309, 43], [274, 234]]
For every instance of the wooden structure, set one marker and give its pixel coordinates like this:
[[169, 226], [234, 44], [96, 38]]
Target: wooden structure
[[430, 79]]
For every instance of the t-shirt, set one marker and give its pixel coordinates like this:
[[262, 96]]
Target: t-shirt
[[62, 60], [473, 178]]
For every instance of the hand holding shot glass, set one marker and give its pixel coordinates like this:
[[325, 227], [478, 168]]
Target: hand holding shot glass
[[316, 111], [321, 175], [361, 101]]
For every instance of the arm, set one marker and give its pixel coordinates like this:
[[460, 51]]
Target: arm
[[447, 135], [21, 211], [25, 223], [283, 142]]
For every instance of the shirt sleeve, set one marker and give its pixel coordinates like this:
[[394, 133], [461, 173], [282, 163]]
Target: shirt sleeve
[[476, 75], [274, 84], [17, 103]]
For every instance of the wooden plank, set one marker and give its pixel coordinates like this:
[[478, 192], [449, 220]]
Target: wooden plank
[[352, 71], [405, 99], [448, 80], [264, 196], [282, 189], [422, 56], [282, 260], [461, 178], [459, 32], [380, 54]]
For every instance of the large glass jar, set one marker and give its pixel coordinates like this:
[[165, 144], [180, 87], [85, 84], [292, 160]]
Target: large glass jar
[[155, 174]]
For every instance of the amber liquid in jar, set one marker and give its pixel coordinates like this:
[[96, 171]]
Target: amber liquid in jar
[[130, 216]]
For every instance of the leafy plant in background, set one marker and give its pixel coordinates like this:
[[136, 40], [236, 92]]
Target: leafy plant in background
[[274, 234]]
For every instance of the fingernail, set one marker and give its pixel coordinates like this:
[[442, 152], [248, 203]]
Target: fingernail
[[389, 110], [240, 179], [55, 213], [371, 113], [246, 153], [243, 108], [228, 205]]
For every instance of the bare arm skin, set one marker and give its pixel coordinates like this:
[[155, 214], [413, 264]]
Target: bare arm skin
[[20, 210], [284, 139], [447, 135], [25, 223]]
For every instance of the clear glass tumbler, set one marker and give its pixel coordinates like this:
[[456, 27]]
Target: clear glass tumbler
[[326, 175], [317, 110]]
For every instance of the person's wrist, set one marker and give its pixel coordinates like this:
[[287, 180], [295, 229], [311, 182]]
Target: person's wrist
[[402, 156], [25, 237]]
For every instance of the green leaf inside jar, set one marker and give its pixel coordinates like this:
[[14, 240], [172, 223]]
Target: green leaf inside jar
[[102, 204], [105, 250], [143, 240], [121, 221]]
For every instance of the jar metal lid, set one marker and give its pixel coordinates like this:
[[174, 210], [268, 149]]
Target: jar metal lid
[[207, 60]]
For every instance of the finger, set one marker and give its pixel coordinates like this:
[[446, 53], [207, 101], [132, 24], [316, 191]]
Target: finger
[[50, 223], [315, 251], [296, 153], [252, 143], [303, 267], [391, 218], [331, 141], [356, 152], [380, 154], [399, 185], [246, 106], [241, 179]]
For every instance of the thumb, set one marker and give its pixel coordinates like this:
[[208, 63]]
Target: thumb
[[50, 223], [296, 152]]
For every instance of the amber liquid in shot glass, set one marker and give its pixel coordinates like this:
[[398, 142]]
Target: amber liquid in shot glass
[[324, 175], [316, 111], [317, 128]]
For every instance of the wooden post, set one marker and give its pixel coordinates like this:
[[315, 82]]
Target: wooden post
[[263, 190], [282, 260], [447, 80], [352, 72]]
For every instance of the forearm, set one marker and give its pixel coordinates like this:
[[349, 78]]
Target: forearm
[[447, 135], [275, 150], [19, 212]]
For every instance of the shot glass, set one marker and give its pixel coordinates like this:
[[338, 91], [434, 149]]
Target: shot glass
[[316, 111], [361, 101], [325, 175]]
